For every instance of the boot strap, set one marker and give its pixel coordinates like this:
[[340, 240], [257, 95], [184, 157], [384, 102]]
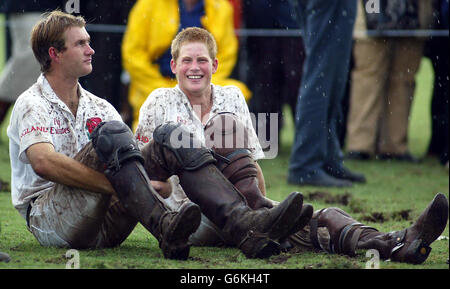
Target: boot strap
[[348, 246], [313, 226], [252, 234], [398, 237], [225, 160], [170, 215]]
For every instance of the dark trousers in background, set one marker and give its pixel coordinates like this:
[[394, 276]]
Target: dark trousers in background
[[327, 27], [276, 70], [437, 50]]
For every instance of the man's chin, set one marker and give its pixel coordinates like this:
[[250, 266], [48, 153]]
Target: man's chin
[[86, 72]]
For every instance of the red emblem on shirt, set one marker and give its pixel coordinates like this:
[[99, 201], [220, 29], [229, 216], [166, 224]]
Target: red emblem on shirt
[[92, 123]]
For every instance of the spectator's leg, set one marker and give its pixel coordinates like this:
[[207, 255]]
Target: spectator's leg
[[366, 99], [400, 92]]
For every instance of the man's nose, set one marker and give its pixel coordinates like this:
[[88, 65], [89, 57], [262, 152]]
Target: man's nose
[[195, 65], [90, 50]]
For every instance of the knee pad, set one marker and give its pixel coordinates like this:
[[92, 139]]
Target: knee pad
[[228, 138], [114, 144], [225, 133], [190, 154]]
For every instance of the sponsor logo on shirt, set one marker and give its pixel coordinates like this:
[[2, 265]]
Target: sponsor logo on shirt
[[142, 138], [91, 124], [51, 130]]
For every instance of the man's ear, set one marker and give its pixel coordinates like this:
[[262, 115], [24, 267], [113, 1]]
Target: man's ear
[[215, 65], [53, 53], [173, 66]]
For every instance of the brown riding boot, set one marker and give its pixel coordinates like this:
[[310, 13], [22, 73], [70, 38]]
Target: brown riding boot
[[255, 232], [229, 141], [228, 137], [410, 245], [116, 148]]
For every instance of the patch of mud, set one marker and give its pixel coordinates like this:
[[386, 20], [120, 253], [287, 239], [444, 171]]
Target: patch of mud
[[374, 217], [279, 259], [198, 259], [328, 198], [357, 206], [56, 260], [4, 186], [402, 215], [313, 266], [380, 217]]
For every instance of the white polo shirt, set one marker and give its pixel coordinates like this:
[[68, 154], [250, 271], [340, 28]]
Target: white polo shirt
[[39, 116], [171, 104]]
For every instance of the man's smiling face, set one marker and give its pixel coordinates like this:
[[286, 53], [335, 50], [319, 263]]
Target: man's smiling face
[[194, 68]]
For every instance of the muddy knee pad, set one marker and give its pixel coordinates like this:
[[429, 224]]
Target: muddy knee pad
[[225, 133], [227, 137], [115, 144], [180, 149]]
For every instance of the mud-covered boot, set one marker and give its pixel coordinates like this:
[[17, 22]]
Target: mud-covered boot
[[116, 148], [411, 245], [228, 138], [255, 232], [301, 221]]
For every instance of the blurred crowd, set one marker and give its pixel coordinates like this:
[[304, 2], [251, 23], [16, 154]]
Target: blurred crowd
[[132, 42]]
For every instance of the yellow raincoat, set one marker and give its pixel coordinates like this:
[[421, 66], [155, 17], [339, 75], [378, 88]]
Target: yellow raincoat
[[152, 25]]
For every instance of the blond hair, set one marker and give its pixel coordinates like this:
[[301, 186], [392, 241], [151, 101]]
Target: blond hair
[[49, 32], [194, 34]]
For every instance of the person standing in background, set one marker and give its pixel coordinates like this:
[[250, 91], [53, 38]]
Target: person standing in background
[[383, 81], [276, 62], [437, 50], [316, 157]]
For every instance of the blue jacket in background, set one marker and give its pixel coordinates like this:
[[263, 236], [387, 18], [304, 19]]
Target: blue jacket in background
[[270, 14], [444, 14]]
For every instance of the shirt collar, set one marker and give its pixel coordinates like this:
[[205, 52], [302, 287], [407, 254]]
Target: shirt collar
[[186, 99], [50, 95], [214, 108]]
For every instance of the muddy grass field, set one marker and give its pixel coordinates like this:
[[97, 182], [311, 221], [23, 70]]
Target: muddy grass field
[[394, 196]]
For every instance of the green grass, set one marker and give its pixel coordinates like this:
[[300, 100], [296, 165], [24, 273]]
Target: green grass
[[2, 41], [393, 189]]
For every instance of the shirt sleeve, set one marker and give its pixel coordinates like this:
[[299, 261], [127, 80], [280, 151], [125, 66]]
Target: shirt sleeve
[[151, 115], [32, 126]]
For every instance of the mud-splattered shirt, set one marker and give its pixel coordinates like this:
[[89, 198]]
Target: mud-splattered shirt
[[39, 116], [171, 104]]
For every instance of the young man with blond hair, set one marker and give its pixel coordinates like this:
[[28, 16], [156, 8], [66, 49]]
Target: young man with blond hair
[[217, 118]]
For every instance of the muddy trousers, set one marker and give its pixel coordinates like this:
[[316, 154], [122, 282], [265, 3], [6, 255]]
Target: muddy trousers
[[64, 216]]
